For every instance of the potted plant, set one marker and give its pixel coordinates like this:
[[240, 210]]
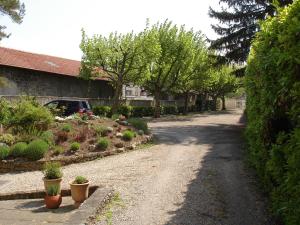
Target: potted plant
[[79, 189], [53, 198], [52, 175]]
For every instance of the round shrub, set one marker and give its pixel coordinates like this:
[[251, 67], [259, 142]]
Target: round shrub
[[66, 127], [18, 149], [102, 110], [58, 150], [48, 137], [102, 143], [4, 152], [139, 124], [75, 146], [52, 170], [7, 139], [128, 135], [80, 180], [36, 149]]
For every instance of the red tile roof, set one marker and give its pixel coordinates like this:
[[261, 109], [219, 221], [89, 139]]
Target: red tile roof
[[39, 62]]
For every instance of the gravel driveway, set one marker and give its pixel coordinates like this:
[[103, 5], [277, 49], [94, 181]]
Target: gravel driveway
[[195, 175]]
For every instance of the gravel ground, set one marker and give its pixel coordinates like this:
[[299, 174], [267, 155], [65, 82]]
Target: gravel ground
[[195, 175]]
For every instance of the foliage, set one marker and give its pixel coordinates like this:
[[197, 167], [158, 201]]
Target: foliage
[[52, 170], [5, 112], [7, 139], [36, 149], [170, 110], [273, 109], [48, 137], [102, 130], [115, 116], [4, 151], [140, 111], [239, 19], [102, 143], [28, 115], [75, 146], [139, 124], [67, 127], [102, 110], [53, 190], [125, 110], [80, 180], [18, 149], [15, 10], [58, 150], [128, 135]]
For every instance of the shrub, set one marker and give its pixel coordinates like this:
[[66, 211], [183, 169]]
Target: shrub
[[75, 146], [102, 130], [28, 114], [5, 112], [67, 127], [273, 109], [58, 150], [7, 139], [115, 116], [102, 143], [80, 180], [18, 149], [48, 137], [53, 190], [36, 149], [4, 152], [102, 111], [128, 135], [170, 110], [125, 110], [139, 124], [52, 170], [62, 136]]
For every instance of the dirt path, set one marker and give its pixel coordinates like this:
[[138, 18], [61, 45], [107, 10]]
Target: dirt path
[[195, 175]]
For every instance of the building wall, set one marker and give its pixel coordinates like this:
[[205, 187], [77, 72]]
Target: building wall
[[23, 81]]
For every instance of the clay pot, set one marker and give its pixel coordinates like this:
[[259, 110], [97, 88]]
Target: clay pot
[[53, 202], [49, 182], [79, 192]]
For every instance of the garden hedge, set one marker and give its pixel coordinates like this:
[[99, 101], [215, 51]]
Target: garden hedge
[[273, 109]]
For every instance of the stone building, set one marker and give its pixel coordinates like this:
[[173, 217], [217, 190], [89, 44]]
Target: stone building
[[46, 77]]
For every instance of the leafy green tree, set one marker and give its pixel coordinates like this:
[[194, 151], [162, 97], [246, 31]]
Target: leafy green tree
[[15, 10], [238, 23], [120, 58], [173, 54]]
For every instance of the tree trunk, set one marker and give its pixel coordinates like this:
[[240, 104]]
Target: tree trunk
[[157, 104], [116, 99], [215, 103], [186, 103], [223, 103], [203, 102]]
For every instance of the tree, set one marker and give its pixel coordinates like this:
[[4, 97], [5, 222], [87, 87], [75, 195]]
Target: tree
[[119, 58], [195, 71], [221, 81], [15, 10], [239, 21], [174, 54]]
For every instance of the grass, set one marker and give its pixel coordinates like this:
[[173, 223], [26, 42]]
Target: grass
[[146, 145], [107, 213]]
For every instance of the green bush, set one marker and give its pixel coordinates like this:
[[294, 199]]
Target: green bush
[[102, 143], [7, 139], [52, 170], [48, 137], [102, 111], [139, 124], [80, 180], [115, 116], [102, 130], [53, 190], [75, 146], [18, 149], [67, 127], [170, 110], [273, 109], [36, 149], [58, 150], [140, 111], [5, 112], [128, 135], [125, 110], [28, 114], [4, 152]]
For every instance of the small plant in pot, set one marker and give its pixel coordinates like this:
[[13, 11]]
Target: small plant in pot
[[52, 175], [79, 189], [53, 198]]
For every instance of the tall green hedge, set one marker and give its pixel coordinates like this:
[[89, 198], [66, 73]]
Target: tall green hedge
[[273, 110]]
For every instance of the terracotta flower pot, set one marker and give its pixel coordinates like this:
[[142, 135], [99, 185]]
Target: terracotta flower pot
[[49, 182], [53, 202], [79, 192]]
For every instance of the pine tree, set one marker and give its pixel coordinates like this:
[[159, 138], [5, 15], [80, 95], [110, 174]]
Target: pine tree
[[239, 23], [14, 9]]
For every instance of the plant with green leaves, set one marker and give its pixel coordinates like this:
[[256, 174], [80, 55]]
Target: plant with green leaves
[[53, 190], [102, 143], [80, 180], [75, 146], [128, 135], [4, 152], [52, 170], [36, 149], [139, 124], [67, 127], [118, 57], [18, 150]]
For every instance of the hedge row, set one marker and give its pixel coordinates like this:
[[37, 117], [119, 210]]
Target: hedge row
[[273, 109]]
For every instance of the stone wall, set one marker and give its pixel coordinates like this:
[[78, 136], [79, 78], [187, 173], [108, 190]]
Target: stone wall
[[23, 81]]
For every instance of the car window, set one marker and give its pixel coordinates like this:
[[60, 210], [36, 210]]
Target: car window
[[73, 105], [52, 105]]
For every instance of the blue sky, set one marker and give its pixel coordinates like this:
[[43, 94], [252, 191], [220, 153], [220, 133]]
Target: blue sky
[[53, 27]]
